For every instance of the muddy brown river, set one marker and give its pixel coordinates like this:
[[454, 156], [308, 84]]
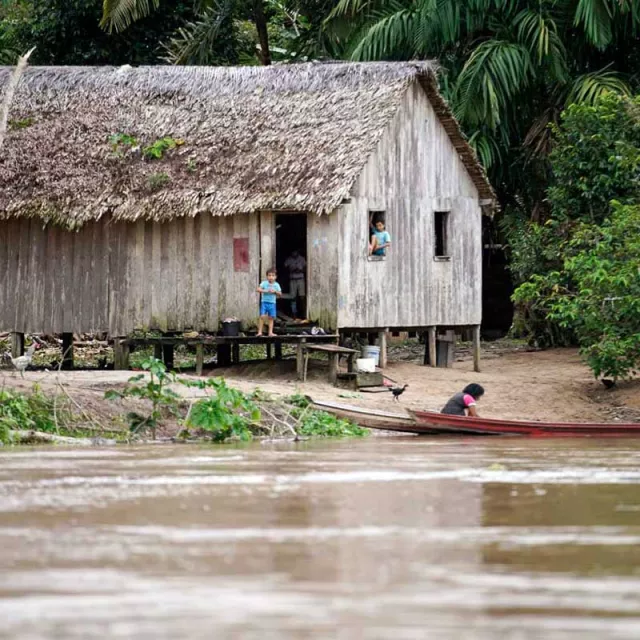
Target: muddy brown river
[[380, 538]]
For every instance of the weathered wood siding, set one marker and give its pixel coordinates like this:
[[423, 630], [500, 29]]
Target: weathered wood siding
[[323, 249], [53, 280], [117, 277], [413, 172]]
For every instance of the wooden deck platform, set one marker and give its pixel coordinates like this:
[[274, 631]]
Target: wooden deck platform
[[228, 347]]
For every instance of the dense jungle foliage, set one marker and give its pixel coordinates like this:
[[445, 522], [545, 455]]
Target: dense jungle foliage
[[509, 68]]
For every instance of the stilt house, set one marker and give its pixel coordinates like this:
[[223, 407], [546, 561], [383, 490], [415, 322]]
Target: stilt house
[[157, 197]]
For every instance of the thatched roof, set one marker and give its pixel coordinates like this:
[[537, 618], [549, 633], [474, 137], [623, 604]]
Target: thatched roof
[[285, 137]]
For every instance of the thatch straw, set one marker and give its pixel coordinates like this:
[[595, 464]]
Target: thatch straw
[[284, 137]]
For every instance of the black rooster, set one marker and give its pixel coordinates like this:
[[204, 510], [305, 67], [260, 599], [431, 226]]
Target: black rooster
[[397, 392]]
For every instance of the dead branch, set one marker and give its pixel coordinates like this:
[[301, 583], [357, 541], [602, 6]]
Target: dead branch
[[9, 93]]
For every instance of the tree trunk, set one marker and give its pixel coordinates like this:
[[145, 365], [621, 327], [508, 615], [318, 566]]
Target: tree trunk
[[263, 35]]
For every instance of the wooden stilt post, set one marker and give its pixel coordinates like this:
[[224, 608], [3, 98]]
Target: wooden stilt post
[[476, 348], [431, 344], [224, 355], [333, 368], [167, 353], [157, 351], [235, 353], [382, 340], [199, 359], [300, 360], [117, 354], [17, 344], [67, 351], [278, 349]]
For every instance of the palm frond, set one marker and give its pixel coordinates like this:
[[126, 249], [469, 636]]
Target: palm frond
[[195, 43], [387, 38], [539, 33], [588, 88], [348, 8], [487, 148], [595, 17], [494, 73], [117, 15]]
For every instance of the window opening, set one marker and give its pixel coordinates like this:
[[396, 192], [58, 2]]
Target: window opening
[[441, 220], [378, 236]]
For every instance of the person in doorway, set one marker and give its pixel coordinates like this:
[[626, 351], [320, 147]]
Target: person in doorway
[[380, 240], [269, 291], [296, 265], [464, 403]]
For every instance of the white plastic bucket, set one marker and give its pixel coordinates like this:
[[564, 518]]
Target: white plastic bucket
[[366, 365], [372, 351]]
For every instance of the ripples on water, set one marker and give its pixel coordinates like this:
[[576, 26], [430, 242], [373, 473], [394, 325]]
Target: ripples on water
[[387, 538]]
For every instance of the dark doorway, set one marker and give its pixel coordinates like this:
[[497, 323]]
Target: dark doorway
[[291, 236]]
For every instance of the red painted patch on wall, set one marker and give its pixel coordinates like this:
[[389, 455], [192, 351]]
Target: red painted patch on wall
[[241, 254]]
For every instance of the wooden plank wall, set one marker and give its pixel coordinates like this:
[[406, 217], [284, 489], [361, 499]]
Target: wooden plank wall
[[323, 248], [117, 277], [53, 280], [414, 172]]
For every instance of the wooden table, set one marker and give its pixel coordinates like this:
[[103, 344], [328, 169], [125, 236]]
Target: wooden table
[[333, 352]]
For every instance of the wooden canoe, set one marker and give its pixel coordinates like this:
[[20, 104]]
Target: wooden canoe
[[372, 418], [442, 423]]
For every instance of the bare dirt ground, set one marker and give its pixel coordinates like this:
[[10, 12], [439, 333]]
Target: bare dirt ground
[[551, 385]]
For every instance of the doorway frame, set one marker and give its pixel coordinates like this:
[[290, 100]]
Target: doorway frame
[[268, 254]]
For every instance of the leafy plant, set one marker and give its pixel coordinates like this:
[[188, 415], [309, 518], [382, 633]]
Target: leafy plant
[[155, 181], [595, 160], [155, 389], [157, 149], [598, 293], [312, 422], [324, 425], [22, 123], [298, 400], [33, 411], [119, 140], [225, 414]]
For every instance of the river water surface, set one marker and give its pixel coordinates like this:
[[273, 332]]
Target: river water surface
[[381, 538]]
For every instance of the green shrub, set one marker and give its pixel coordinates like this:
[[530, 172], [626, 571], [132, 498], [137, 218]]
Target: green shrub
[[601, 301], [227, 413], [312, 422], [155, 389], [595, 161], [32, 411], [324, 425]]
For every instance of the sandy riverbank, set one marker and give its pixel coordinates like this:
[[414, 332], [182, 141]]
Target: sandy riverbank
[[543, 385]]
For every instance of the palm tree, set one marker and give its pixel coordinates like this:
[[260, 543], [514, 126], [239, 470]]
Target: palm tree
[[193, 43], [509, 66]]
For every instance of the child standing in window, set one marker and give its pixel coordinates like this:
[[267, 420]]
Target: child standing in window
[[269, 291], [380, 240]]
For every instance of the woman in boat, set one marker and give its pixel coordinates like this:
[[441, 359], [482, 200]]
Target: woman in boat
[[464, 403]]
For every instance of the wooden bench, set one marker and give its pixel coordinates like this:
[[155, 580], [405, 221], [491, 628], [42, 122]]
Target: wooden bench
[[333, 352]]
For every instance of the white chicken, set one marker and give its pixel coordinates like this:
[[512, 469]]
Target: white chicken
[[22, 362]]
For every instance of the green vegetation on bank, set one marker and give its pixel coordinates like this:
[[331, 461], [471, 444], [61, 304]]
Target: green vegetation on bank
[[218, 412], [580, 267], [224, 413], [37, 411]]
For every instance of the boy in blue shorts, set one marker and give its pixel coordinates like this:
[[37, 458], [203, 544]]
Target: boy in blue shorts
[[270, 291]]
